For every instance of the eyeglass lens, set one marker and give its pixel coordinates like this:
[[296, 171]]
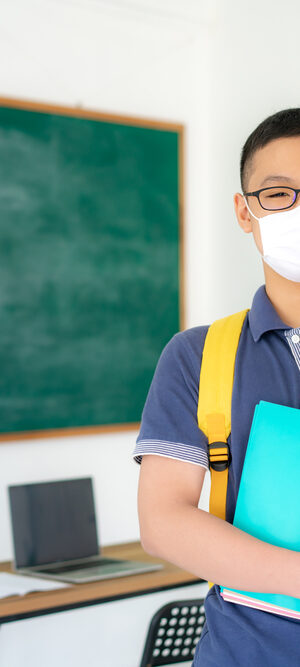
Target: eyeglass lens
[[273, 199]]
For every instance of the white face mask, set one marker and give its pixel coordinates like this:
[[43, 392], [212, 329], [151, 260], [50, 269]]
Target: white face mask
[[280, 235]]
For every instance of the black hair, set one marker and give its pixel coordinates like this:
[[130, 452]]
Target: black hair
[[284, 123]]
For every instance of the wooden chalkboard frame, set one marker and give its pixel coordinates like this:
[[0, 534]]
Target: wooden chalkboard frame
[[81, 112]]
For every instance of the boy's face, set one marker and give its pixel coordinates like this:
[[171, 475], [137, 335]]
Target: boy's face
[[278, 163]]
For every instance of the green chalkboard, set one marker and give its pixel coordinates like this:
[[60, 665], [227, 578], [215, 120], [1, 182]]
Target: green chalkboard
[[89, 265]]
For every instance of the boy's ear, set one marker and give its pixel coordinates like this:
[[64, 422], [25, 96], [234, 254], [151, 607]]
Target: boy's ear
[[242, 213]]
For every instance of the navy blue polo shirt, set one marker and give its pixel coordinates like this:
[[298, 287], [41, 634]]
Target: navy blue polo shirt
[[267, 368]]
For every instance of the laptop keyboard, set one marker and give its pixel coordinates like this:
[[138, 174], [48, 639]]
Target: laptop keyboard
[[80, 566]]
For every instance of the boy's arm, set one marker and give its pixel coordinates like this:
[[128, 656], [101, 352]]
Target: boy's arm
[[173, 528]]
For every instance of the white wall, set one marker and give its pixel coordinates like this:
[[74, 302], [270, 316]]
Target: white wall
[[219, 67], [254, 72], [138, 62]]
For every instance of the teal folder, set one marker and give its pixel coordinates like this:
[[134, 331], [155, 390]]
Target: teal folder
[[268, 502]]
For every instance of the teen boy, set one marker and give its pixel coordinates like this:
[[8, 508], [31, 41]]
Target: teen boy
[[173, 451]]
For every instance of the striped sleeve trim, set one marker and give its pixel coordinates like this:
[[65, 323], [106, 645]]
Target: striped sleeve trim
[[173, 450]]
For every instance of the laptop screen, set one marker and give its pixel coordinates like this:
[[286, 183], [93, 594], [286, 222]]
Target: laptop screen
[[53, 521]]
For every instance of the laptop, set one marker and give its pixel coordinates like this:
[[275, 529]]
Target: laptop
[[55, 535]]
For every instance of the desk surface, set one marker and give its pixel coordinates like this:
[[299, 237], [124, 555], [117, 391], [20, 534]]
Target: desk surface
[[96, 592]]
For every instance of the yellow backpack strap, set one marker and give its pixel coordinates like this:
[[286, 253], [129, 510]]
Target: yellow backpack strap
[[214, 404]]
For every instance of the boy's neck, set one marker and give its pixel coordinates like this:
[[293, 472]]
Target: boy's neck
[[284, 295]]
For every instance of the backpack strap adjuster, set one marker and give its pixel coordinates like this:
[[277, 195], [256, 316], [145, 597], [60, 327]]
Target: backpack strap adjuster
[[219, 456]]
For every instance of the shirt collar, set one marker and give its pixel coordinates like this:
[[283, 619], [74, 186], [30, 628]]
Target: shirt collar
[[263, 316]]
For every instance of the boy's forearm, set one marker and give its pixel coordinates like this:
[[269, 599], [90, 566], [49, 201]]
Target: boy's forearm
[[217, 551]]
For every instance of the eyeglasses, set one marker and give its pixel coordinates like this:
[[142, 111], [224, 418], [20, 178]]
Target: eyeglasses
[[275, 199]]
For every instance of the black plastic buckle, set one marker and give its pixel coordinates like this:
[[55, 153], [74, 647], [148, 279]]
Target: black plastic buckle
[[222, 464]]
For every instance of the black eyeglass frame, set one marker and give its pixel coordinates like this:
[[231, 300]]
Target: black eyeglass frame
[[256, 193]]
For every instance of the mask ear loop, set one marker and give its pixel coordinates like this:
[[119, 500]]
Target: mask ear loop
[[254, 216]]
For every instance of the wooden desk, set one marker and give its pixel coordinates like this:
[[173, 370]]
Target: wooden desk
[[82, 595]]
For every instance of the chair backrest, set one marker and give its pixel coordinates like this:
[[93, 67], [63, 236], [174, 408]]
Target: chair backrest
[[174, 632]]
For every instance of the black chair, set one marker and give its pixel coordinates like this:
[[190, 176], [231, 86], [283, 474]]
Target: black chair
[[173, 633]]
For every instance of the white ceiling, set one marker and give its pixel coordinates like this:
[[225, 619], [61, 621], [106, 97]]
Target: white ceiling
[[185, 11]]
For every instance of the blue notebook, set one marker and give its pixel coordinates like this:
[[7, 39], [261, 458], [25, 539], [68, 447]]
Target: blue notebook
[[269, 495]]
